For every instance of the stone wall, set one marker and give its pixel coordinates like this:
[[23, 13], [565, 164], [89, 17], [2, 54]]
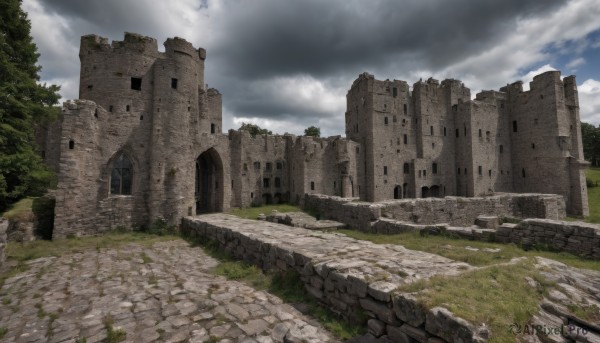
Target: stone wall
[[502, 141], [578, 238], [451, 210], [341, 277]]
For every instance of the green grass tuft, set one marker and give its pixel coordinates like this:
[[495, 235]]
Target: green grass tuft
[[113, 335], [497, 296]]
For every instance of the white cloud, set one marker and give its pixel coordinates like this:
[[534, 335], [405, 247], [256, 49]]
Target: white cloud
[[525, 46], [575, 63], [589, 101]]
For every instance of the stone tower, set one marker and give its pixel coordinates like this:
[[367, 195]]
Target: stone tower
[[435, 141]]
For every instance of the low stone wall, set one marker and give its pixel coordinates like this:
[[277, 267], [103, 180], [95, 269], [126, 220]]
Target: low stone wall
[[458, 211], [3, 227], [349, 276], [578, 238]]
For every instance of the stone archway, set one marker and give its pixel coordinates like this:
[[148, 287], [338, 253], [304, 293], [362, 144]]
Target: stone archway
[[209, 182], [424, 192]]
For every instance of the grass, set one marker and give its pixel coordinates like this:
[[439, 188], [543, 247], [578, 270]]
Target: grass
[[594, 196], [21, 210], [3, 331], [497, 296], [113, 335], [253, 212], [454, 248]]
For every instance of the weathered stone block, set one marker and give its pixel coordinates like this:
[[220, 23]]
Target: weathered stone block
[[408, 309], [443, 323]]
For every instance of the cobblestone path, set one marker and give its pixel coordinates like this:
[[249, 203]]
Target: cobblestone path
[[162, 293]]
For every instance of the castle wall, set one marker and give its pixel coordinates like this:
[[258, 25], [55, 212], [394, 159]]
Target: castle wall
[[458, 211], [154, 108], [91, 138]]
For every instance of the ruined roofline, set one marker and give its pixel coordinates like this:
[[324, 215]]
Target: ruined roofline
[[515, 86], [142, 44]]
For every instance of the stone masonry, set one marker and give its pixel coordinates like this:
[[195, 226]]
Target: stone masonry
[[144, 142], [457, 211], [348, 275], [160, 293]]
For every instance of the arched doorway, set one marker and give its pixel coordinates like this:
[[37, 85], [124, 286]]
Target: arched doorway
[[398, 192], [424, 192], [209, 182]]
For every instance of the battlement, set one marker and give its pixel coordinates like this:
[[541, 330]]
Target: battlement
[[180, 46]]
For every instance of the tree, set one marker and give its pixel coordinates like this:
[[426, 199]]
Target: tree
[[312, 131], [590, 135], [254, 129], [23, 104]]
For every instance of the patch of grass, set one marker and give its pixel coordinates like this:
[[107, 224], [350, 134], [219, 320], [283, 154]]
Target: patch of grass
[[81, 340], [253, 212], [146, 258], [21, 210], [289, 287], [454, 248], [589, 313], [497, 296], [3, 331], [593, 174], [113, 335], [242, 271]]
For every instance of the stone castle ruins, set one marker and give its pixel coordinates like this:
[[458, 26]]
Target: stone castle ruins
[[145, 141]]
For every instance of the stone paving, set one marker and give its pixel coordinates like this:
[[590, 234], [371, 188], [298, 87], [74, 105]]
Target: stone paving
[[162, 293]]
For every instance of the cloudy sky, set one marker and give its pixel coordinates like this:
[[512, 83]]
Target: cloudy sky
[[286, 65]]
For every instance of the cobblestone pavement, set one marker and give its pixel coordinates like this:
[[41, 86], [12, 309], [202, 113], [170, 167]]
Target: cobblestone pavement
[[162, 293]]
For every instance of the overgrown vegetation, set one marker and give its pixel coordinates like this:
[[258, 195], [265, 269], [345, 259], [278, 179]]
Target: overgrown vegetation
[[253, 212], [456, 249], [496, 296], [23, 104], [20, 210], [288, 286], [113, 335], [3, 331]]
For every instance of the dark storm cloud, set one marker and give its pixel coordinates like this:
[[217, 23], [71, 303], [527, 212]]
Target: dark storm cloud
[[260, 50], [262, 37], [265, 39]]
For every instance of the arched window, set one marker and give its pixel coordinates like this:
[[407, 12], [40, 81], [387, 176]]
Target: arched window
[[121, 176]]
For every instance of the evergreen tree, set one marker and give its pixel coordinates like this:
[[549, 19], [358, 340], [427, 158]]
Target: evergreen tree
[[23, 103]]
